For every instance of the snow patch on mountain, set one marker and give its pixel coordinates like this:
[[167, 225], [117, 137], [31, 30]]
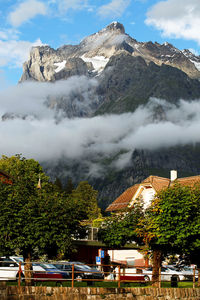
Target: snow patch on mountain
[[197, 64], [60, 66], [98, 62]]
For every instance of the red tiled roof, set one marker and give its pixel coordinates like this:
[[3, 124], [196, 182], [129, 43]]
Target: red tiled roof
[[5, 178], [189, 181], [124, 199], [158, 183]]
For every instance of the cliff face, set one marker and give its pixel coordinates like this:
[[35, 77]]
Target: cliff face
[[93, 53], [125, 74]]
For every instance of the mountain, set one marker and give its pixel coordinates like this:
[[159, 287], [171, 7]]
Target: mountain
[[93, 53], [126, 74]]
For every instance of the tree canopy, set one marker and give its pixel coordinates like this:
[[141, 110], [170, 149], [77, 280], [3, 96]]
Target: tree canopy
[[87, 200], [120, 228], [35, 218], [173, 222]]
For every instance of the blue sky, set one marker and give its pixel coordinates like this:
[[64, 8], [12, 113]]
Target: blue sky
[[57, 22]]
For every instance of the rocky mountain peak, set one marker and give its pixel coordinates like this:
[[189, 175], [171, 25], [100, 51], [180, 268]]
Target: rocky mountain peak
[[114, 26], [91, 56]]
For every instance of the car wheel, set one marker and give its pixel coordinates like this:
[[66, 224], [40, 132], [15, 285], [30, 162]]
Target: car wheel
[[146, 278]]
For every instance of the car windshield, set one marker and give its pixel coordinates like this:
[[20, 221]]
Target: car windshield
[[172, 268], [188, 269], [83, 267], [48, 266], [18, 259]]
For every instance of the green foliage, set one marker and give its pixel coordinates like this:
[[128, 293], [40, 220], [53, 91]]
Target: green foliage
[[120, 228], [58, 184], [173, 221], [69, 186], [86, 198], [97, 222], [32, 218]]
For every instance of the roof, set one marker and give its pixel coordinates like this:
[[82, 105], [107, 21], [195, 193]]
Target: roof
[[156, 182], [189, 181], [124, 199], [5, 178]]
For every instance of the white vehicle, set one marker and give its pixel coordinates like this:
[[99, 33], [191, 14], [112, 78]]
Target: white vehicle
[[9, 268], [188, 272], [167, 273]]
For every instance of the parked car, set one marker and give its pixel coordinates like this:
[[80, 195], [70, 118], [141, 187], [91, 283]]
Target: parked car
[[9, 269], [187, 272], [81, 271], [50, 272], [167, 273], [39, 272]]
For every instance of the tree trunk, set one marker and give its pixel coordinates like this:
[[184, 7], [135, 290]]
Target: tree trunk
[[198, 282], [28, 270], [157, 261]]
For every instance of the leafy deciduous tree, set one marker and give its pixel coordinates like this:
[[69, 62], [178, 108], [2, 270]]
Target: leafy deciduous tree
[[120, 228], [35, 218]]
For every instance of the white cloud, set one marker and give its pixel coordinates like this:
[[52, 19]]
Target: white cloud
[[15, 52], [65, 5], [10, 33], [113, 9], [25, 11], [176, 19], [86, 139]]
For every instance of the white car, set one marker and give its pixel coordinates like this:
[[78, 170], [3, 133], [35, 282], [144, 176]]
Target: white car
[[167, 273], [9, 267], [188, 272]]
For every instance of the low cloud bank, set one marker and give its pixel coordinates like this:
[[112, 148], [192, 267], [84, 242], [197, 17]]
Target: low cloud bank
[[39, 135]]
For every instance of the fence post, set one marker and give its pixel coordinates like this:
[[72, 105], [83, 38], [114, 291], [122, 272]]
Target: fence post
[[72, 275], [194, 269], [119, 276], [159, 278], [20, 274]]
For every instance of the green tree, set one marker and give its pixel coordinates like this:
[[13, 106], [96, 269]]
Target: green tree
[[69, 186], [35, 218], [87, 200], [172, 223], [58, 184], [120, 228]]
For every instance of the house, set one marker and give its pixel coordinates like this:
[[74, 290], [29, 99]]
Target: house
[[5, 178], [147, 190]]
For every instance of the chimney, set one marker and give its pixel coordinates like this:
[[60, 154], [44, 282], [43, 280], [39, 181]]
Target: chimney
[[173, 175]]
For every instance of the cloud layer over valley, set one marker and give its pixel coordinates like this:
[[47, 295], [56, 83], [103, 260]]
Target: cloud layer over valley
[[39, 131]]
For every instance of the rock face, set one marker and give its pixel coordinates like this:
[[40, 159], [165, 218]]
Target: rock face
[[126, 73], [47, 64]]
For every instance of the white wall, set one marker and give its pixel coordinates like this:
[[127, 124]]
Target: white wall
[[124, 255], [148, 195]]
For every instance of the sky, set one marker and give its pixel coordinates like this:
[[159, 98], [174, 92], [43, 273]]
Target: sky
[[38, 131], [25, 23]]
